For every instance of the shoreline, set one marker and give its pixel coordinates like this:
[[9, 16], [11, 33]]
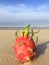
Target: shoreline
[[14, 28]]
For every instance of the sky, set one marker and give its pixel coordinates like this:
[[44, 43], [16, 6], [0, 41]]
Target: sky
[[21, 12]]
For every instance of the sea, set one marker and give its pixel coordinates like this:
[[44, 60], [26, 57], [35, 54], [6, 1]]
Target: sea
[[34, 26]]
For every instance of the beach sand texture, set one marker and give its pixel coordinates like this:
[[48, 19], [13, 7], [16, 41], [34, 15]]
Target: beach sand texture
[[7, 55]]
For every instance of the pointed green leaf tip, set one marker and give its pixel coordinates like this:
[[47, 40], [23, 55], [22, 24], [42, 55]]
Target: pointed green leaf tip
[[26, 30], [16, 33], [37, 39], [32, 33]]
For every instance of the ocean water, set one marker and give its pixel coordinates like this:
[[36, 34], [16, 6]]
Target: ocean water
[[22, 26]]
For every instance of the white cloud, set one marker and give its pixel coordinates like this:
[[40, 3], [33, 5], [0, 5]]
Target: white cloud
[[44, 8], [23, 12]]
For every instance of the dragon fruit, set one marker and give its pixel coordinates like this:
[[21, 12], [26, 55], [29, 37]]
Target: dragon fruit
[[25, 47]]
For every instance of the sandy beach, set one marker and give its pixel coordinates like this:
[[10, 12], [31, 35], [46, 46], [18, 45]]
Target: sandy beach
[[7, 55]]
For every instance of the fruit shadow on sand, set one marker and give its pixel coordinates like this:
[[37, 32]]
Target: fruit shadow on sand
[[41, 49]]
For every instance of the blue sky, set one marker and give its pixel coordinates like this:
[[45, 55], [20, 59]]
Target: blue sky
[[24, 11]]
